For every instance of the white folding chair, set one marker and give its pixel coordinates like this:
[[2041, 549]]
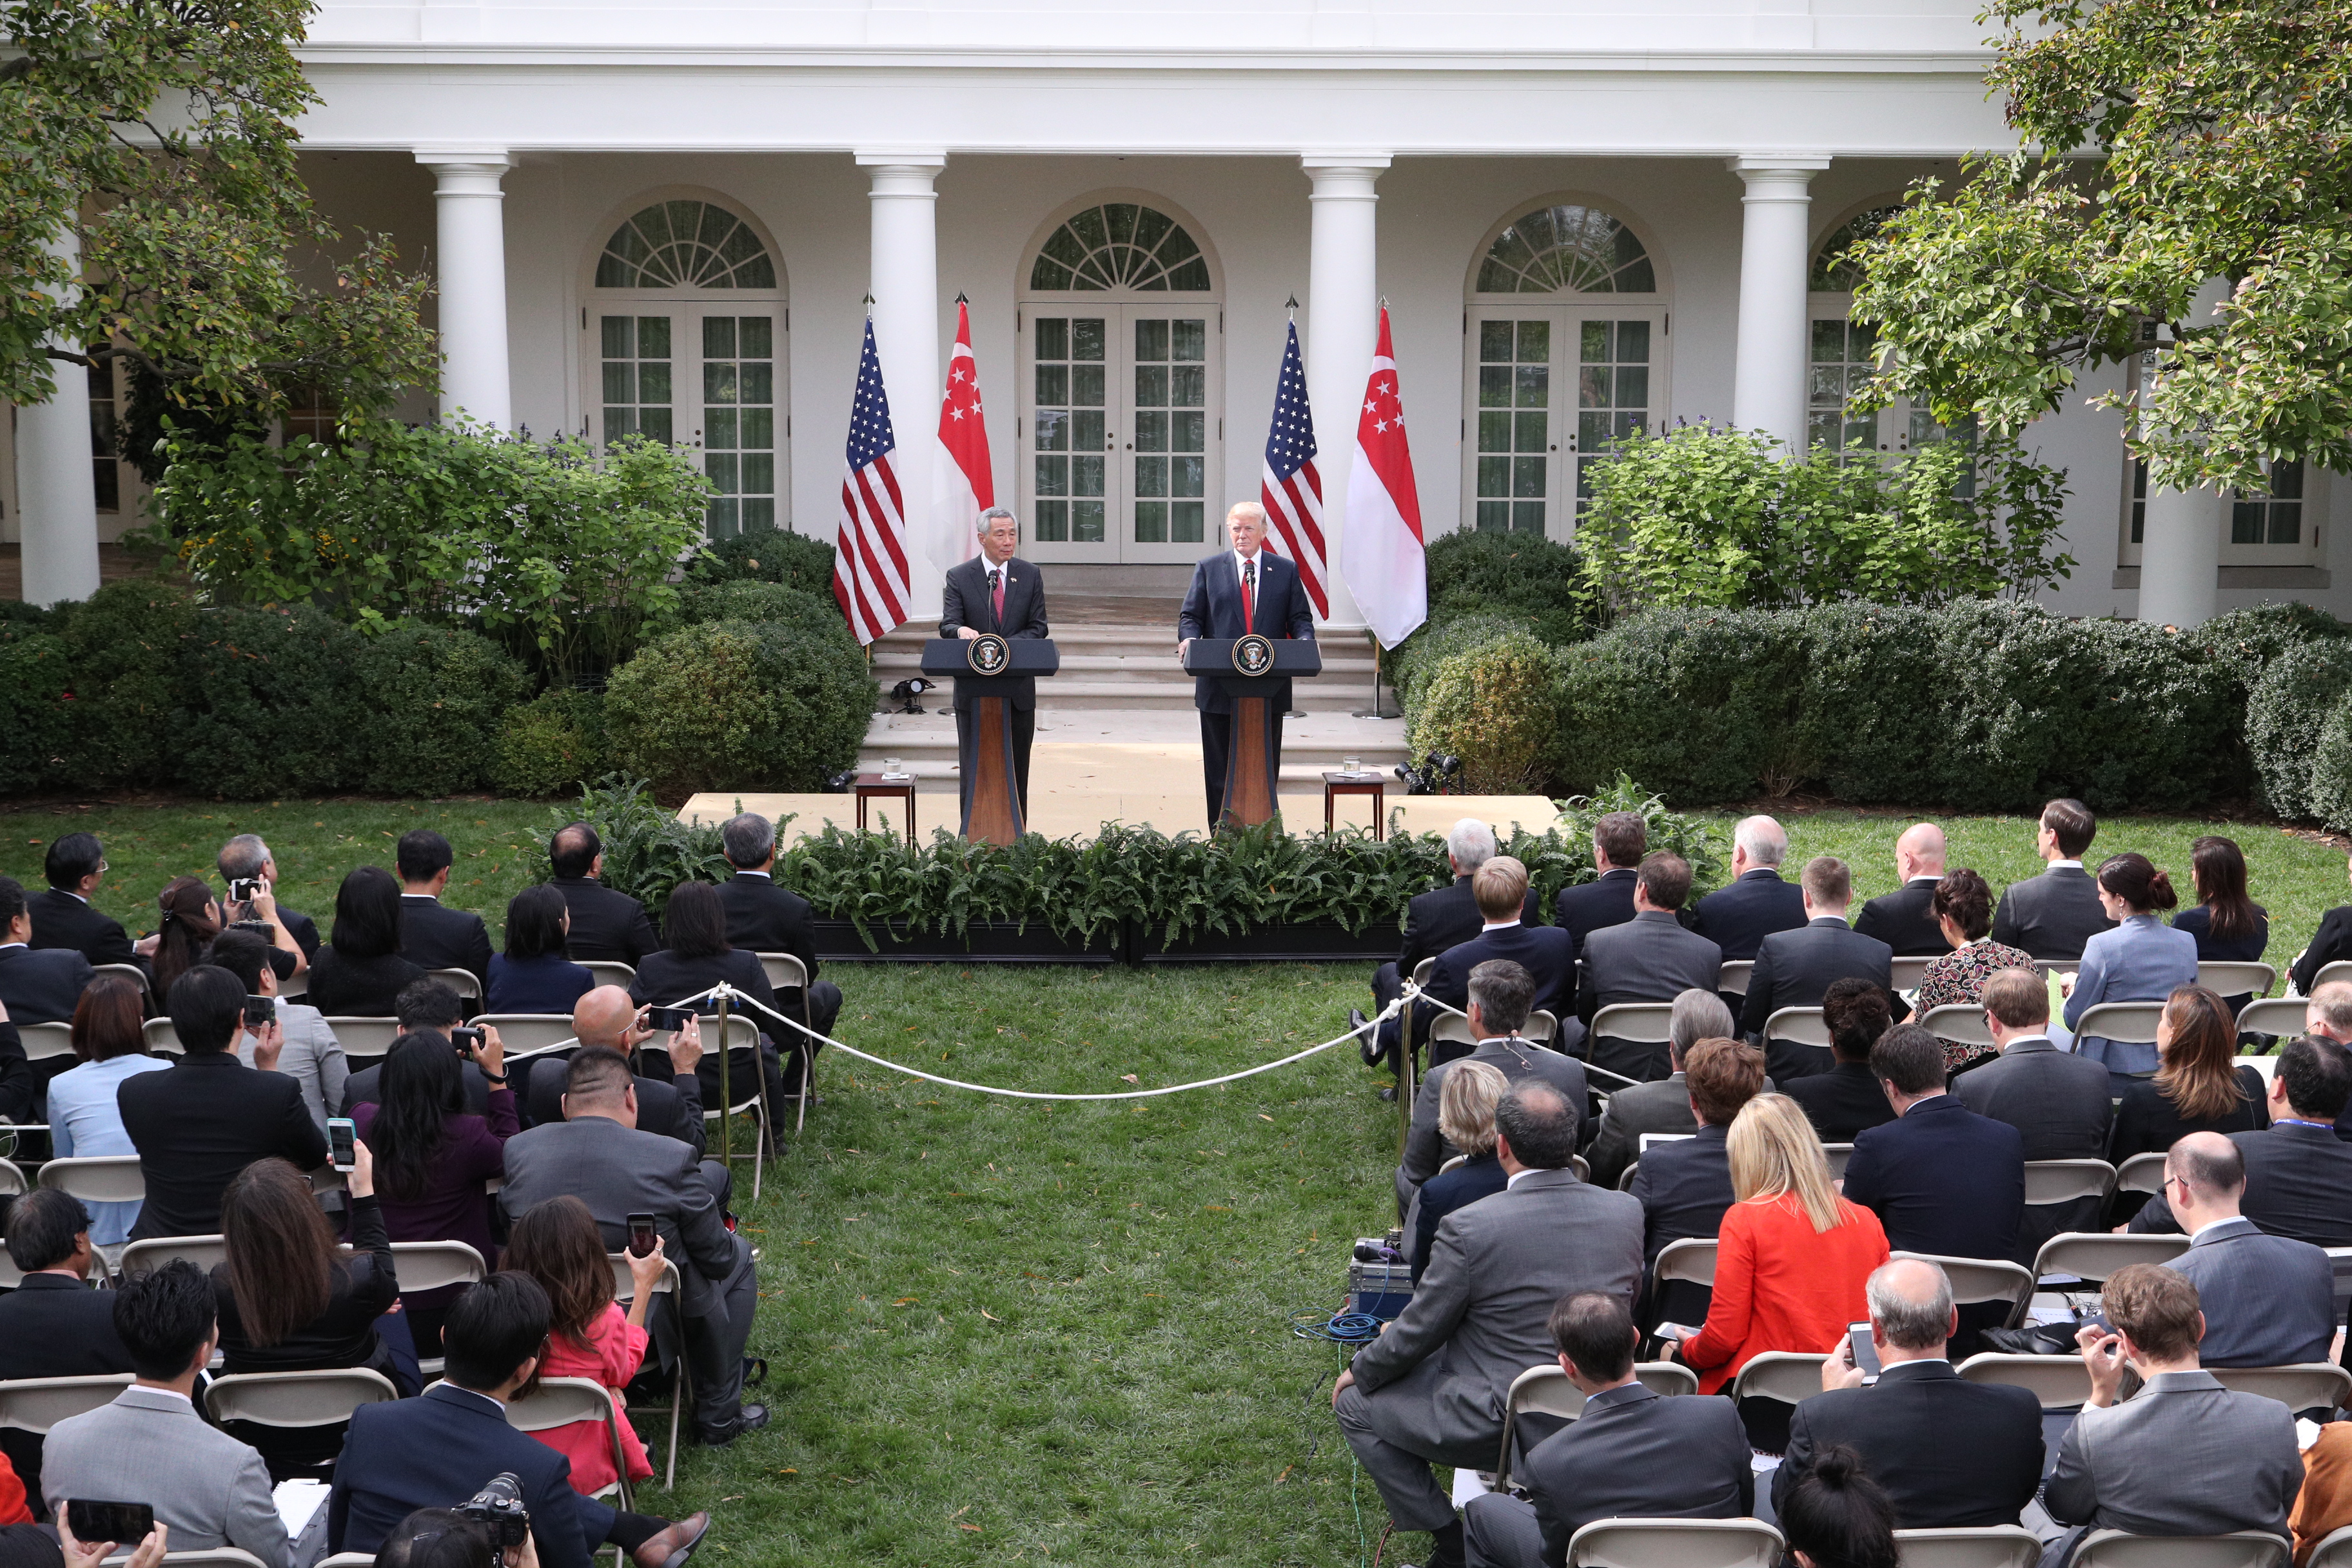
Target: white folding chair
[[561, 1401], [293, 989], [98, 1178], [2232, 978], [1576, 1164], [2313, 1386], [12, 1179], [2266, 1065], [2329, 973], [1407, 1064], [161, 1038], [1625, 1177], [1675, 1543], [742, 1032], [2060, 1381], [2141, 1174], [2065, 1180], [430, 1266], [2334, 1551], [785, 972], [1636, 1023], [1806, 1026], [1691, 1259], [130, 971], [1547, 1391], [369, 1038], [531, 1034], [1908, 972], [625, 1290], [215, 1557], [1837, 1154], [1790, 1376], [37, 1404], [1975, 1279], [1456, 1163], [462, 980], [1731, 980], [204, 1251], [2280, 1015], [1960, 1023], [1540, 1027], [1993, 1546], [47, 1042], [2092, 1255], [291, 1399], [610, 970], [348, 1560], [2131, 1022], [2242, 1549]]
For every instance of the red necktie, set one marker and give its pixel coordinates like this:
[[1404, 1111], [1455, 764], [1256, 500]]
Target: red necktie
[[1249, 597], [996, 590]]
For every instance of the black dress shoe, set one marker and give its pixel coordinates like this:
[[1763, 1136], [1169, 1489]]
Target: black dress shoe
[[755, 1371], [753, 1417], [1389, 1094], [673, 1545], [1368, 1044]]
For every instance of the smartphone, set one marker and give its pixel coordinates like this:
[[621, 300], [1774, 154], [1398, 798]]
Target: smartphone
[[242, 889], [260, 1012], [1865, 1354], [125, 1523], [1675, 1331], [641, 1236], [466, 1040], [343, 1143], [669, 1019]]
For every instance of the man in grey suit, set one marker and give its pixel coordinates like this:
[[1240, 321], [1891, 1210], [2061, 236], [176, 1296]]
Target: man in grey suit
[[2054, 914], [1663, 1106], [151, 1446], [2185, 1456], [1432, 1389], [1632, 1455], [1650, 958], [996, 592], [1499, 994], [2268, 1300], [2056, 1100], [598, 1155], [311, 1055]]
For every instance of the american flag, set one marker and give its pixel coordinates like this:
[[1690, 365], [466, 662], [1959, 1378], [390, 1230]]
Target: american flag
[[1291, 491], [869, 553]]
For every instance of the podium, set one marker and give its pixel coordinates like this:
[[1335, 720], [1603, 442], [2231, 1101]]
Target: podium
[[1251, 670], [992, 805]]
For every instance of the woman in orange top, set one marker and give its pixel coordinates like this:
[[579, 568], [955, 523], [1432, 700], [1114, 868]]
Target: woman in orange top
[[558, 1243], [1792, 1255]]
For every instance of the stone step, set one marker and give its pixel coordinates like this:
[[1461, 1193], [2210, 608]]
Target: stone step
[[925, 743]]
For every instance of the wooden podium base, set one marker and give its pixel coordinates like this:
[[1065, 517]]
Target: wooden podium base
[[1250, 763], [992, 806]]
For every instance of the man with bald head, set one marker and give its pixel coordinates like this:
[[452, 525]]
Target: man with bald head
[[607, 1017], [1905, 920], [1739, 917], [1951, 1453], [2269, 1301]]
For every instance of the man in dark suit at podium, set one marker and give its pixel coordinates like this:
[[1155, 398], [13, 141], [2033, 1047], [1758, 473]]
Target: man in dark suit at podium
[[1236, 593], [997, 592]]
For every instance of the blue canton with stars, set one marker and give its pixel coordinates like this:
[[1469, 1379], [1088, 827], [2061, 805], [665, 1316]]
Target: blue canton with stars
[[1290, 443], [869, 415]]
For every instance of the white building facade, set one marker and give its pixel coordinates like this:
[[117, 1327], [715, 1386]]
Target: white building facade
[[668, 219]]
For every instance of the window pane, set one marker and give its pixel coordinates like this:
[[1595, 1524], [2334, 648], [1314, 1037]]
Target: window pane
[[1534, 382], [653, 383], [621, 383], [1494, 476], [1186, 520], [1053, 337], [759, 337], [1151, 523], [1151, 385], [1495, 340], [718, 337], [1086, 522], [1088, 385], [1829, 343], [1086, 476], [1192, 340], [1633, 343], [1189, 476], [1494, 431], [719, 468], [655, 424], [1150, 431], [1494, 386], [1527, 476], [1594, 346], [1150, 478], [759, 473], [619, 334], [1494, 516], [1087, 427], [759, 428], [1088, 338], [759, 382], [653, 337], [1535, 341], [718, 428], [718, 382], [1188, 385], [1052, 523], [1190, 432], [1052, 476], [1150, 339]]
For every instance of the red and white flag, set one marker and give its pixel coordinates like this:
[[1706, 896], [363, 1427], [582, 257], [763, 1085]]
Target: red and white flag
[[1289, 487], [1381, 551], [869, 549], [965, 488]]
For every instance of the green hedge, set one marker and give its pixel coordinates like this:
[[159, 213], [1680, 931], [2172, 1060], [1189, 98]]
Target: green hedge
[[742, 705], [767, 555], [1491, 705], [551, 744]]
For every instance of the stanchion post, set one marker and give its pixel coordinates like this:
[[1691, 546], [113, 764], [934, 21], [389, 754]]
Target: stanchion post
[[726, 1090]]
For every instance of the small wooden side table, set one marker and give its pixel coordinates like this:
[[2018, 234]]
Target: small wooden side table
[[876, 786], [1335, 784]]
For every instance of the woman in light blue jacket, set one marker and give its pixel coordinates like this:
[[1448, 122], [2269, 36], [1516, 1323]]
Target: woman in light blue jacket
[[2140, 960]]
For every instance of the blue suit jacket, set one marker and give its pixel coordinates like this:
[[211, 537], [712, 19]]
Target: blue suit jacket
[[1546, 953], [1739, 918], [435, 1451], [1942, 1179], [2140, 961], [1213, 608]]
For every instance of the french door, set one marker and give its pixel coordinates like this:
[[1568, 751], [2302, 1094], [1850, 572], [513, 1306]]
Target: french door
[[705, 375], [1551, 386], [1121, 436]]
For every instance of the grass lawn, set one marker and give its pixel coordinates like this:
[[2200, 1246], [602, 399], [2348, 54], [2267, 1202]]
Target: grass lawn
[[1006, 1330]]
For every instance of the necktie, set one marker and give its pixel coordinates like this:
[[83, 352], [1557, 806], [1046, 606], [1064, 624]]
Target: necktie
[[1249, 596], [996, 592]]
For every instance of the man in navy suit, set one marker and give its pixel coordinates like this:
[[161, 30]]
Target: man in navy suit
[[64, 916], [1440, 918], [1941, 1179], [1247, 589], [1738, 916], [1546, 953], [1905, 920], [37, 985], [1796, 968], [1620, 839], [996, 592]]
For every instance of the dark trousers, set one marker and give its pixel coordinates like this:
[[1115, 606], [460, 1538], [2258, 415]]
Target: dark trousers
[[602, 1524], [1024, 725], [715, 1341], [1216, 746]]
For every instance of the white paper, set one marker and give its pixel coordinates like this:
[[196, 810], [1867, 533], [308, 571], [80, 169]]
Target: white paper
[[297, 1500]]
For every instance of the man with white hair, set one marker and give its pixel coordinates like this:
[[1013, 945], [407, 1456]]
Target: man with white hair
[[1905, 920], [246, 859], [996, 592], [1737, 918], [1435, 921], [1247, 590]]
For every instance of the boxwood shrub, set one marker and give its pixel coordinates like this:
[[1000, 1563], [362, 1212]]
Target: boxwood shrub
[[1492, 706], [2286, 711], [37, 704], [435, 700], [552, 745], [130, 648], [741, 705], [275, 705]]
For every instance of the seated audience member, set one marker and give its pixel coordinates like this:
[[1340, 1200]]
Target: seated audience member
[[432, 936], [32, 1546], [2327, 1016], [671, 1107], [1905, 920], [287, 1303], [1684, 1185], [1466, 1117], [1432, 1389], [1620, 839], [426, 1004], [360, 972], [445, 1538], [2268, 1300], [196, 1125], [604, 924], [1632, 1454], [697, 958], [2324, 1505], [2055, 914], [764, 916], [433, 1156], [2298, 1172], [1649, 958], [1498, 997], [52, 1324], [1951, 1454], [1963, 907], [558, 1245], [2199, 1086], [2229, 926], [151, 1446], [436, 1451], [246, 859], [1442, 918], [1664, 1106], [1942, 1179], [1796, 968], [2331, 943], [1756, 903], [190, 918], [2057, 1101], [1845, 1100], [2142, 960], [1790, 1262], [311, 1056], [1546, 953], [63, 917], [84, 1120], [37, 985], [2182, 1457], [533, 975], [598, 1154], [1837, 1517]]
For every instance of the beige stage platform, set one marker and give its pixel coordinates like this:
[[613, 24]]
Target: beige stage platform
[[1074, 789]]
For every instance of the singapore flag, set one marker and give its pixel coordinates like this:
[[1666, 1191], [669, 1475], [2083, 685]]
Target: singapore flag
[[1381, 545]]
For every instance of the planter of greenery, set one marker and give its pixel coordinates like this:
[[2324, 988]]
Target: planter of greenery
[[989, 942]]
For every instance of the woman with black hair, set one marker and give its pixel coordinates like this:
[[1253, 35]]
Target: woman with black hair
[[697, 958], [1837, 1517], [2141, 960], [360, 972], [533, 975]]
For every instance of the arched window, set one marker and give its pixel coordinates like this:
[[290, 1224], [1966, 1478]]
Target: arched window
[[1835, 269], [1844, 354], [687, 320], [1579, 249], [1120, 333]]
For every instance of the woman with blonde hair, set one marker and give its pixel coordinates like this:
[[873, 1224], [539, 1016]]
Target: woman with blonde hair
[[1466, 1117]]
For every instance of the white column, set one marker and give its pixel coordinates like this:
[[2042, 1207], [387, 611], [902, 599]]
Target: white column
[[1767, 387], [906, 288], [56, 498], [2181, 557], [472, 270], [1343, 320]]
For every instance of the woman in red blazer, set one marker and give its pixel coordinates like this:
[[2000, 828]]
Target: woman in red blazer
[[1793, 1255]]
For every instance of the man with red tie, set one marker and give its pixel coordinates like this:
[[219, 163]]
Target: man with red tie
[[1235, 593], [996, 592]]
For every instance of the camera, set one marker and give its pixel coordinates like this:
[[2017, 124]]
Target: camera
[[668, 1020], [260, 1012], [466, 1040], [242, 889], [498, 1505]]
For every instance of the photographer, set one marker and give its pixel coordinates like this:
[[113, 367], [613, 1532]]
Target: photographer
[[311, 1056], [190, 917], [251, 873], [605, 1017], [450, 1538], [440, 1451]]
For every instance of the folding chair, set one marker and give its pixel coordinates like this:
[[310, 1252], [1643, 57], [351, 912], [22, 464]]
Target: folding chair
[[1837, 1154], [12, 1179], [2064, 1181], [2313, 1386], [560, 1402], [2141, 1174], [1540, 1027], [1908, 972], [1975, 1279], [429, 1266], [531, 1034], [2133, 1021], [160, 1040], [2334, 1551], [1625, 1177], [1805, 1026], [1545, 1391], [2231, 978], [37, 1404], [786, 972], [461, 981], [2280, 1015], [1958, 1023], [348, 1560], [1691, 1259], [2266, 1065], [1731, 980], [1407, 1065], [98, 1178], [1583, 1171], [625, 1290], [742, 1032], [204, 1251], [367, 1040], [47, 1042], [217, 1557], [1994, 1546], [1790, 1376], [292, 990], [610, 971], [2091, 1256], [1675, 1543], [296, 1398], [130, 971], [2060, 1381], [2240, 1549], [1632, 1023], [2339, 970]]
